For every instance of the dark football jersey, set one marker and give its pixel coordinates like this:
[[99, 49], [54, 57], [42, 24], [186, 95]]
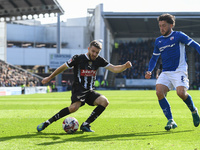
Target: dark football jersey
[[85, 70]]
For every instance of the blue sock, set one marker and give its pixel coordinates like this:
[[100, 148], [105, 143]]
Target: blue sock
[[190, 103], [166, 108]]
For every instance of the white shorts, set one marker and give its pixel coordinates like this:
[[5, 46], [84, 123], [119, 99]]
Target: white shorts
[[173, 79]]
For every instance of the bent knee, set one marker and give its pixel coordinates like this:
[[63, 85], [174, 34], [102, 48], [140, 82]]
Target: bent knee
[[106, 102], [73, 108], [102, 101], [182, 94], [160, 93]]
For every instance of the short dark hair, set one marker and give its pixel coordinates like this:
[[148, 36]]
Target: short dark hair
[[168, 18], [96, 44]]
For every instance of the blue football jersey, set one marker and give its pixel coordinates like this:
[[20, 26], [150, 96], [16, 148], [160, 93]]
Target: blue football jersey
[[172, 51]]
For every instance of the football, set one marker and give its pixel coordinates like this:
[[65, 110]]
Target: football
[[70, 125]]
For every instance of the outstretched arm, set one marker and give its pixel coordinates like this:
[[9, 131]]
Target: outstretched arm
[[196, 46], [56, 72], [119, 68], [152, 64]]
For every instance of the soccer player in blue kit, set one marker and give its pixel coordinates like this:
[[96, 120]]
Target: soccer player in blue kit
[[171, 47], [85, 70]]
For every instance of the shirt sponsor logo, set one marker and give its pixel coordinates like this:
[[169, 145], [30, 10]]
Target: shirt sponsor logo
[[164, 47], [88, 72]]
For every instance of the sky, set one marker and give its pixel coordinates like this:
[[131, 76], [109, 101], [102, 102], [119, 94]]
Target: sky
[[78, 8]]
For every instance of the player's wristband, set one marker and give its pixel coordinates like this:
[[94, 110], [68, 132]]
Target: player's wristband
[[147, 71]]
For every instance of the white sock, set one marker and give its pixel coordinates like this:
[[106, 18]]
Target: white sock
[[85, 123], [47, 121]]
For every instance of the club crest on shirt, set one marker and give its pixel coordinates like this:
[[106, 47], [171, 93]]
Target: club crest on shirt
[[89, 64], [70, 60], [171, 38]]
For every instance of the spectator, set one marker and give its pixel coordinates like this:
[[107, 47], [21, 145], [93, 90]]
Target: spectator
[[96, 83], [10, 76], [104, 83]]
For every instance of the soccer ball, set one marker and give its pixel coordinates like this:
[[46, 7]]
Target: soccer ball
[[70, 125]]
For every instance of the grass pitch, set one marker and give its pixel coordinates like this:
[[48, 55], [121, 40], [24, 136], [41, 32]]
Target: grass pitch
[[132, 121]]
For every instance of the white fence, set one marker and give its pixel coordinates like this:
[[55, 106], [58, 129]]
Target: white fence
[[10, 91], [18, 90], [135, 83]]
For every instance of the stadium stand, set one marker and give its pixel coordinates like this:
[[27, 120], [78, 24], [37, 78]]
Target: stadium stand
[[11, 76], [140, 54], [196, 84]]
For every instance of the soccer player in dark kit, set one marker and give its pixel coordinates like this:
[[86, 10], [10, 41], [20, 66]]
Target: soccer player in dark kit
[[85, 69]]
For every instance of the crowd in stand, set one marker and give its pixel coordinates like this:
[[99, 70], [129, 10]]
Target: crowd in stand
[[139, 54], [196, 84], [10, 76]]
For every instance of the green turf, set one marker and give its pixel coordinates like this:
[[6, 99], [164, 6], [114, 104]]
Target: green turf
[[132, 121]]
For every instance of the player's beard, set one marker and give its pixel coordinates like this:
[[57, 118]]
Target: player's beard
[[167, 32], [92, 58]]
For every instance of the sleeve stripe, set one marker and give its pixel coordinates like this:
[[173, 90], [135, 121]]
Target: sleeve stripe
[[156, 54], [107, 65], [190, 42], [67, 65]]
